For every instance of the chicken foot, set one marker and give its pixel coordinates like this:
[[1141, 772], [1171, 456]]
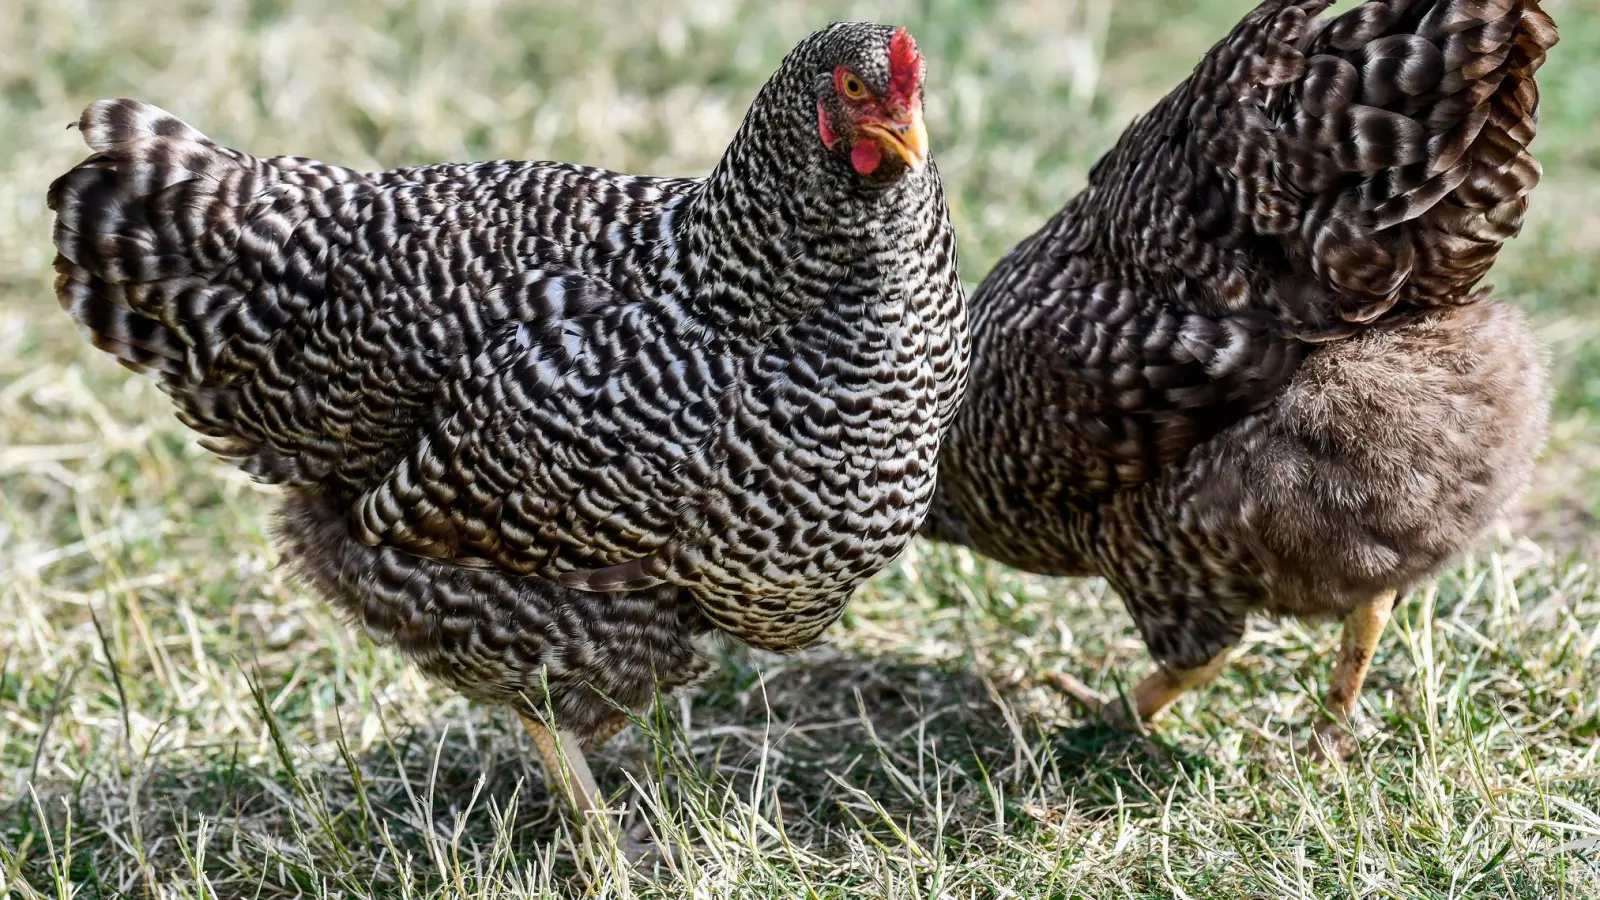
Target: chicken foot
[[1149, 698], [1363, 627], [568, 772]]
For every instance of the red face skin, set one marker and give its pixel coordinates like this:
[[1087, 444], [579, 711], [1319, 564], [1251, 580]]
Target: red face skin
[[890, 124]]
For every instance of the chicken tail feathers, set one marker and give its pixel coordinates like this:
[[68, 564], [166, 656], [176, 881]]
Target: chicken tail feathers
[[159, 234], [169, 259], [139, 225], [1387, 148]]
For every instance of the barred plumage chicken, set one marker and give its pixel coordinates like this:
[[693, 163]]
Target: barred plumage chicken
[[1247, 369], [540, 425]]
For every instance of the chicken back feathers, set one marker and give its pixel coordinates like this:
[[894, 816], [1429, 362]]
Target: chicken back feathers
[[1247, 369], [537, 418]]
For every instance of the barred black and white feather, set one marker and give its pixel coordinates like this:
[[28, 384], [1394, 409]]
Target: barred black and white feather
[[1247, 369], [541, 419]]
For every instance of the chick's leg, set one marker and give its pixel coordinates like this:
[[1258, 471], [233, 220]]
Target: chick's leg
[[1157, 692], [569, 772], [567, 769], [1363, 627], [1150, 697]]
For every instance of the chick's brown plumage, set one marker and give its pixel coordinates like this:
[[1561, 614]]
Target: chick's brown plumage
[[1247, 369], [544, 423]]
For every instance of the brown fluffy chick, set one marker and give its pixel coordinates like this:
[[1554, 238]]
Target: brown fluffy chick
[[1246, 370]]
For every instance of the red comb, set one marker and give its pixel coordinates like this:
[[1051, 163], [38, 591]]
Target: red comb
[[905, 68]]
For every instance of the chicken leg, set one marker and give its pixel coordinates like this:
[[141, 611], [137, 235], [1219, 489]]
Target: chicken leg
[[1363, 627], [1150, 697], [568, 772]]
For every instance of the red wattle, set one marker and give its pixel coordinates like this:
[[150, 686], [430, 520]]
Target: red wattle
[[866, 157]]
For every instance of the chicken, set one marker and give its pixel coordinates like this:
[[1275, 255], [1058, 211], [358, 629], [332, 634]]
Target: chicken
[[1247, 370], [537, 425]]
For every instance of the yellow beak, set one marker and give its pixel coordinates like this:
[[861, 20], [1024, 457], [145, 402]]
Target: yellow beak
[[907, 138]]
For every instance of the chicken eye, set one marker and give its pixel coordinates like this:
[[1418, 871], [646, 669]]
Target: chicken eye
[[853, 88]]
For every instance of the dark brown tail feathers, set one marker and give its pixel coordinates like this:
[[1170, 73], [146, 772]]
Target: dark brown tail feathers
[[1386, 148], [1425, 112]]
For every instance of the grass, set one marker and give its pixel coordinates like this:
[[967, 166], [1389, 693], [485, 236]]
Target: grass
[[177, 720]]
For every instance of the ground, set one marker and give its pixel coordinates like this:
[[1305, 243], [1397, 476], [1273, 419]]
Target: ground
[[178, 720]]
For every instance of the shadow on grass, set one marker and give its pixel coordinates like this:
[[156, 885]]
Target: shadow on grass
[[831, 749]]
